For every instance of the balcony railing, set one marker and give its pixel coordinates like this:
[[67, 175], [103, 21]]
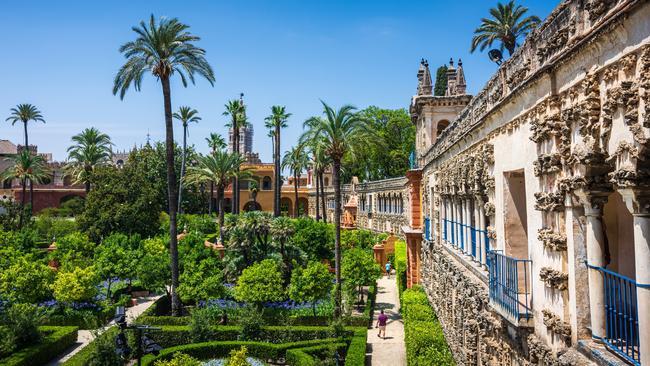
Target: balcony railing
[[510, 285], [454, 233], [621, 314]]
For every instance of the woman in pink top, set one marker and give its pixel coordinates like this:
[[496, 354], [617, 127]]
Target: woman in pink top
[[381, 324]]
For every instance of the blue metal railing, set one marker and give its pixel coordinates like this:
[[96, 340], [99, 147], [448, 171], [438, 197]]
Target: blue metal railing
[[510, 285], [454, 233], [621, 314], [427, 228]]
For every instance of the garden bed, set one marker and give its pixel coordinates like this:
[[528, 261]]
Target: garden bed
[[55, 341]]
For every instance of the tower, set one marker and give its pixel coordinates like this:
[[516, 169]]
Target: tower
[[245, 135]]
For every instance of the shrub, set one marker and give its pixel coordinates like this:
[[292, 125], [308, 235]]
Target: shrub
[[202, 224], [359, 269], [27, 279], [179, 359], [310, 284], [52, 228], [260, 282], [55, 340], [19, 327], [200, 323], [423, 335], [314, 238], [76, 286], [238, 357], [359, 238], [251, 322], [103, 352]]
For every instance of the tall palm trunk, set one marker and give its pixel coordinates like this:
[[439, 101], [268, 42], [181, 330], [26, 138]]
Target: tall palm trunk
[[337, 238], [295, 191], [220, 199], [180, 181], [278, 178], [235, 184], [317, 203], [87, 182], [171, 190], [26, 181], [210, 206], [322, 196], [23, 201]]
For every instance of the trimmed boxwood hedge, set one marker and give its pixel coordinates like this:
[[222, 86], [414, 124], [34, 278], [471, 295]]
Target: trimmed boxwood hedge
[[208, 350], [55, 341], [310, 356], [423, 336]]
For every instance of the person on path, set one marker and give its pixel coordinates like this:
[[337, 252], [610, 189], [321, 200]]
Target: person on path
[[388, 269], [381, 324]]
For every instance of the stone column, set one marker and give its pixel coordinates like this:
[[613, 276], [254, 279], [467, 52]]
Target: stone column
[[638, 202], [466, 222], [442, 219], [477, 226], [595, 238], [457, 219]]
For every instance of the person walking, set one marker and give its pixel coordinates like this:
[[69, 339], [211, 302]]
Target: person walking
[[388, 269], [381, 324]]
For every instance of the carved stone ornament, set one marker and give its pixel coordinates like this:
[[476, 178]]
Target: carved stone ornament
[[552, 240], [489, 209], [554, 279], [539, 352], [549, 201], [596, 8], [547, 164], [554, 324]]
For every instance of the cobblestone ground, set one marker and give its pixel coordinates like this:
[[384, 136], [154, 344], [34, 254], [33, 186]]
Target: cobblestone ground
[[389, 351]]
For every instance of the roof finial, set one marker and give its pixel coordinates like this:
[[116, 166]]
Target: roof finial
[[451, 61]]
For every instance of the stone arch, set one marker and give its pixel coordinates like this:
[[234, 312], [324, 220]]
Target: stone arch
[[441, 126], [252, 206], [303, 206]]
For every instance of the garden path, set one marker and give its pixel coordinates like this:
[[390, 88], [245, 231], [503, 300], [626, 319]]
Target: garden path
[[84, 337], [390, 351]]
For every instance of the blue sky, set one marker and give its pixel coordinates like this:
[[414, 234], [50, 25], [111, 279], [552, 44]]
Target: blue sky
[[62, 57]]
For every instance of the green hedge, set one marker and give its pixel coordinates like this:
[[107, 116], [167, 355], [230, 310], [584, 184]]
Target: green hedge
[[209, 350], [82, 357], [356, 354], [179, 335], [55, 341], [400, 266], [311, 356], [425, 341]]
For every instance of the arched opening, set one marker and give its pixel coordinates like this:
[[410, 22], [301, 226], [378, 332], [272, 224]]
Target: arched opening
[[303, 206], [327, 182], [516, 220], [252, 206], [286, 206], [266, 184], [441, 126]]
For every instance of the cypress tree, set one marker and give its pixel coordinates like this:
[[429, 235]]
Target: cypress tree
[[441, 81]]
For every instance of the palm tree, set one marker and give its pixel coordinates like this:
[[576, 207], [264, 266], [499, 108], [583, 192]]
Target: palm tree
[[185, 115], [237, 112], [506, 26], [320, 162], [215, 142], [91, 149], [26, 166], [342, 132], [164, 48], [25, 113], [295, 160], [220, 167], [275, 122]]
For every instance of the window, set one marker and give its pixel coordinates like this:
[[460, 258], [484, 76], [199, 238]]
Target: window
[[266, 184]]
